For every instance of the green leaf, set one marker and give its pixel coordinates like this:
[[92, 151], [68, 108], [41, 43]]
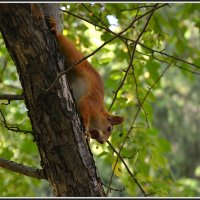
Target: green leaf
[[117, 169]]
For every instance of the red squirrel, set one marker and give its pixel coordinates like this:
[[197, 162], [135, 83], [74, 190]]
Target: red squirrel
[[88, 90]]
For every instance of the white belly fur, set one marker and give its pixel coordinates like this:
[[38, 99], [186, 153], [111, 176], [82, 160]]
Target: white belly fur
[[79, 87]]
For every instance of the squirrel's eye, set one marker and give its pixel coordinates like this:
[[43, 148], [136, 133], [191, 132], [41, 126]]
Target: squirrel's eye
[[109, 129]]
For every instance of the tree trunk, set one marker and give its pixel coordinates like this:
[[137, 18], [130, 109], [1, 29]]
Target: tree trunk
[[65, 156]]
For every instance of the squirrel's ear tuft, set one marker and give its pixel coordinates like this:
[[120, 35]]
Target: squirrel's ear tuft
[[114, 120]]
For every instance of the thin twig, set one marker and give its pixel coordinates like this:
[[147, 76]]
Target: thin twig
[[127, 168], [170, 56], [119, 190], [175, 65], [22, 169], [12, 128]]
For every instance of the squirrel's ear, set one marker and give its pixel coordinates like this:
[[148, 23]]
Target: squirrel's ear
[[114, 120]]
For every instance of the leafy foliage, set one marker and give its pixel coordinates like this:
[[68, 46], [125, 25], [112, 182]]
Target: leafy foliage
[[160, 107]]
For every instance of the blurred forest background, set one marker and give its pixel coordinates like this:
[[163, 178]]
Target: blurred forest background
[[163, 145]]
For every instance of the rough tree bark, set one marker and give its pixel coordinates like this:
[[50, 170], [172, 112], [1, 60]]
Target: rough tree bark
[[65, 156]]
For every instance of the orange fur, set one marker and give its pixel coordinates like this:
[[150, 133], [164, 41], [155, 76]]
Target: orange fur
[[88, 90]]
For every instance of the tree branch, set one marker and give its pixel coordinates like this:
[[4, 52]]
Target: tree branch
[[127, 168], [22, 169], [11, 97]]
